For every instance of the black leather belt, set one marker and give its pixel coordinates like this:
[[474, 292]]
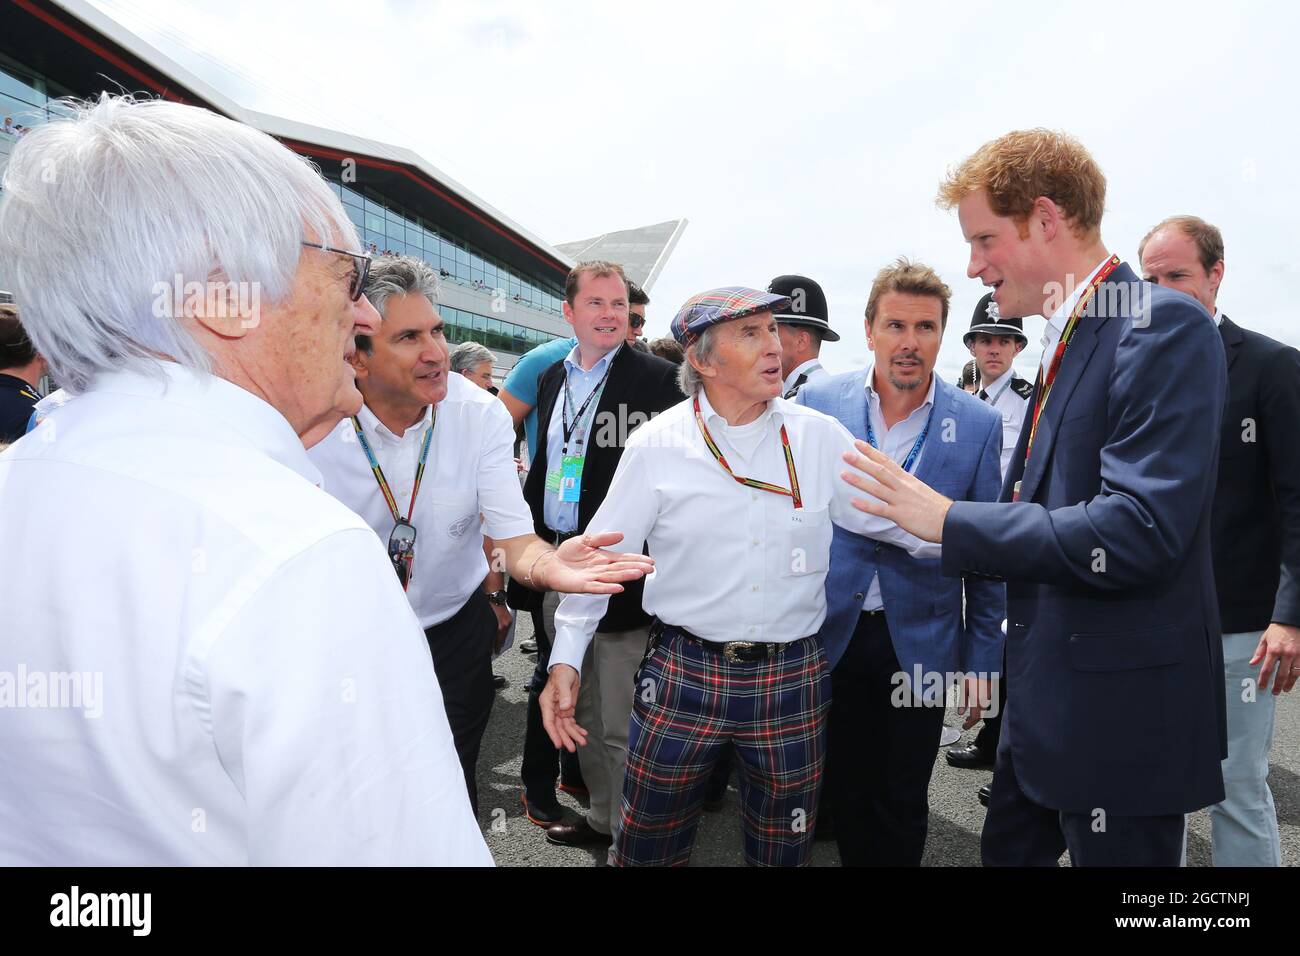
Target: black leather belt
[[736, 652], [559, 537]]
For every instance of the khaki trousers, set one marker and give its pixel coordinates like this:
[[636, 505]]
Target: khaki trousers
[[604, 709]]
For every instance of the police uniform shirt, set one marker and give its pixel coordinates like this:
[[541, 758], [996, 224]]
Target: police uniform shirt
[[801, 375], [1009, 395], [17, 399]]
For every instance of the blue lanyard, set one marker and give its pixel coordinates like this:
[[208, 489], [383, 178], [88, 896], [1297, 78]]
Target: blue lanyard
[[916, 448], [568, 429]]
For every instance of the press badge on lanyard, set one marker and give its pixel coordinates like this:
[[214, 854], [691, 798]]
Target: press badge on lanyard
[[567, 481], [571, 477]]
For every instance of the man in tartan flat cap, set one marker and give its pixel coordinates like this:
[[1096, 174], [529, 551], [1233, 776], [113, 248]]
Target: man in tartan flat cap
[[745, 490]]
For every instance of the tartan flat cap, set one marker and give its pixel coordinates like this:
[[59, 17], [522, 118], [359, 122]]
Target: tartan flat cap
[[721, 305]]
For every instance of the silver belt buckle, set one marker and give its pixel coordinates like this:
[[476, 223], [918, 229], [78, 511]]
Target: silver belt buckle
[[729, 650]]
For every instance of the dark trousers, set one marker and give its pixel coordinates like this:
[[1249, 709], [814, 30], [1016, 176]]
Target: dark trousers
[[991, 727], [542, 762], [879, 756], [1019, 832], [462, 659]]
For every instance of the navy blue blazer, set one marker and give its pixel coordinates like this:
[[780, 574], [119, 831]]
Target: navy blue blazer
[[1114, 656], [922, 607]]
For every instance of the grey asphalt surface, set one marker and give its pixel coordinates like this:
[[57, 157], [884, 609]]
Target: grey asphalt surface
[[955, 815]]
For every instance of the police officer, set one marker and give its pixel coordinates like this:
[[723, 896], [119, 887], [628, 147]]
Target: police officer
[[803, 326], [995, 342], [21, 368]]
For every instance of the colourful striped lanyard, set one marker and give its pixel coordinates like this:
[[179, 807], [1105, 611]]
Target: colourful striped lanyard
[[792, 492], [1043, 386], [379, 472]]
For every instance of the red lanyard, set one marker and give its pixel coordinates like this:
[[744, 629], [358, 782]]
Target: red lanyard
[[1044, 386], [792, 492]]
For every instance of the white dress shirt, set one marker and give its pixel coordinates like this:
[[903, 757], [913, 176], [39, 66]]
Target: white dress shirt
[[267, 696], [812, 368], [563, 515], [897, 443], [1011, 407], [470, 470], [732, 563]]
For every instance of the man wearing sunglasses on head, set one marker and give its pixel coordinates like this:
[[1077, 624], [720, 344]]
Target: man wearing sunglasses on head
[[637, 300], [428, 453]]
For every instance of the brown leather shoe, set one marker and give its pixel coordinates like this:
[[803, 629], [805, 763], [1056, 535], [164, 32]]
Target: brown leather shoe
[[541, 815], [577, 834]]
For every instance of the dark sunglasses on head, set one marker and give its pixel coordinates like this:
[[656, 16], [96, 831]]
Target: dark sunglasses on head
[[401, 550], [357, 284]]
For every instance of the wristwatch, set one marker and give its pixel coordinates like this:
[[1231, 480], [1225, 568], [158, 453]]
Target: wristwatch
[[498, 598]]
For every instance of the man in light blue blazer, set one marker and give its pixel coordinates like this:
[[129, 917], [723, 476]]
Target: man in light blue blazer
[[895, 633]]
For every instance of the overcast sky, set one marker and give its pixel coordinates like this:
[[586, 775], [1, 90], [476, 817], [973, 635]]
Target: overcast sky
[[796, 137]]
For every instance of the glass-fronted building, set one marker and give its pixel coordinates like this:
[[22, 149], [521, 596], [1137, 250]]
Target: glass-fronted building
[[502, 286], [387, 227]]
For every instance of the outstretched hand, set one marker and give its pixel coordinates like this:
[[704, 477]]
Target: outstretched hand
[[901, 497], [581, 566]]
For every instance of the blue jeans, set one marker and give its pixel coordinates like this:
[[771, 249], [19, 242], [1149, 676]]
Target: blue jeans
[[1243, 827]]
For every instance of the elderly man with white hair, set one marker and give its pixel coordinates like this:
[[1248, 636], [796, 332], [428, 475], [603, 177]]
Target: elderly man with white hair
[[220, 666]]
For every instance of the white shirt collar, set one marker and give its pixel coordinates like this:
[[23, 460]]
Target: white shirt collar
[[714, 420], [572, 361], [1218, 317], [251, 417], [991, 387], [808, 366], [1058, 318], [873, 395], [371, 423]]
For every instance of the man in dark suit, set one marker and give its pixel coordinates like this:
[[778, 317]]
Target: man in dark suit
[[1255, 537], [587, 405], [1115, 727]]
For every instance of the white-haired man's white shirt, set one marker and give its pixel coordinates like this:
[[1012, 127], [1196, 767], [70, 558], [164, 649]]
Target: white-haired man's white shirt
[[254, 688], [470, 470], [732, 563]]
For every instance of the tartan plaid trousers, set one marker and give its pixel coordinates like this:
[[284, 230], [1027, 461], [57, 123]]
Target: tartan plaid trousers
[[689, 702]]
